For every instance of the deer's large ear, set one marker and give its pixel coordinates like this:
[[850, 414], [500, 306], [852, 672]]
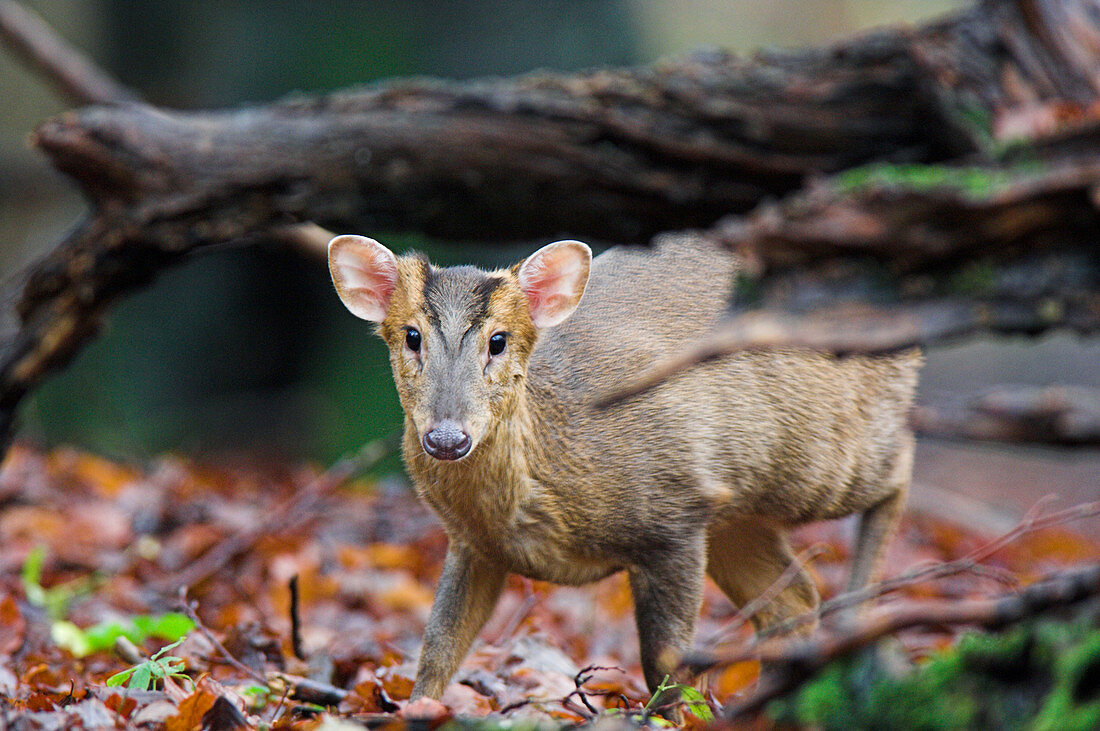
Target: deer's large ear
[[553, 278], [365, 275]]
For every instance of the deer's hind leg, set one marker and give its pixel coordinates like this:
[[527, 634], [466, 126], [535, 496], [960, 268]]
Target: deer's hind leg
[[876, 525], [745, 558], [878, 522]]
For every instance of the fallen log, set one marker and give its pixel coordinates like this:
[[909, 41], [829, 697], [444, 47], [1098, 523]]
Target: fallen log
[[612, 154]]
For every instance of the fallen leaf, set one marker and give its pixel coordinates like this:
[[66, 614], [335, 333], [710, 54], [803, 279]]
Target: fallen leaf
[[191, 710], [465, 701], [424, 709], [13, 624]]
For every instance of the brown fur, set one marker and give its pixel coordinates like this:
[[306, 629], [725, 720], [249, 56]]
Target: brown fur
[[702, 473]]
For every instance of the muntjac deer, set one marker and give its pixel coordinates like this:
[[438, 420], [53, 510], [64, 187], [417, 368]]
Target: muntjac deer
[[497, 372]]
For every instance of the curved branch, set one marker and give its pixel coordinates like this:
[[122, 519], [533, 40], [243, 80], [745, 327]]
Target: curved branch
[[885, 258], [70, 71], [792, 663], [616, 155]]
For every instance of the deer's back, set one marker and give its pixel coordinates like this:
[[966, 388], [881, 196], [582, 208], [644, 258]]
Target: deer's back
[[790, 435]]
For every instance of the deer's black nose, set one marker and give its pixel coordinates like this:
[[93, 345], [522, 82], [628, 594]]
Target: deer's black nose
[[447, 441]]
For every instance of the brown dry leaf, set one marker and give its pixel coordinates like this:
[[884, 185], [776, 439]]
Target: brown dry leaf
[[100, 475], [223, 716], [398, 591], [1059, 546], [123, 705], [13, 626], [616, 598], [398, 680], [191, 710], [366, 696], [427, 709], [32, 524], [381, 556], [465, 701]]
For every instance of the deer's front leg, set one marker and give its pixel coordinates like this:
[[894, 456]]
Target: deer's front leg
[[668, 592], [468, 590]]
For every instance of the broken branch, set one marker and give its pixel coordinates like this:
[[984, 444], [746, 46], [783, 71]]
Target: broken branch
[[613, 155], [792, 663], [75, 76]]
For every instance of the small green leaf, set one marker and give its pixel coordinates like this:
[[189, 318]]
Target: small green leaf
[[142, 678], [166, 648], [67, 635], [119, 678], [32, 576], [696, 703], [170, 626], [102, 636]]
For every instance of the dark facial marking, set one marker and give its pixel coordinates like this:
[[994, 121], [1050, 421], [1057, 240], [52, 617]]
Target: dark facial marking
[[430, 275], [461, 286], [484, 292]]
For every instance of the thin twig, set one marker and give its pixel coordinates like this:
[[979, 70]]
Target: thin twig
[[295, 620], [279, 706], [529, 601], [66, 68], [793, 663], [189, 609], [305, 507], [972, 562], [746, 612], [311, 691]]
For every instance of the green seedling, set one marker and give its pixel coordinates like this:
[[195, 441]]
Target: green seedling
[[258, 696], [56, 599], [144, 676], [689, 697], [100, 637]]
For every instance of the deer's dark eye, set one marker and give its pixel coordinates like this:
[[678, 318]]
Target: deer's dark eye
[[412, 339], [497, 343]]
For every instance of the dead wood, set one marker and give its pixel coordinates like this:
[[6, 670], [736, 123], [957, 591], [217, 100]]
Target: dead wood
[[880, 259], [612, 154], [1061, 415], [72, 73], [973, 563], [791, 663]]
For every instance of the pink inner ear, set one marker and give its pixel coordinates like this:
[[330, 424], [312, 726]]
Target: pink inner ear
[[365, 275], [553, 279]]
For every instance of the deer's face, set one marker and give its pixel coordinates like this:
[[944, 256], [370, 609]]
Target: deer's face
[[459, 338]]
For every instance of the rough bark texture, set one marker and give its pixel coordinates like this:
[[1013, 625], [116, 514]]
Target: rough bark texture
[[615, 155], [887, 257]]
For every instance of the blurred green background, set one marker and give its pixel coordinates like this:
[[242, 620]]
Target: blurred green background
[[248, 349]]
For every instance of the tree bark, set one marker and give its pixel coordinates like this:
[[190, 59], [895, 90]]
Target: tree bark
[[616, 155]]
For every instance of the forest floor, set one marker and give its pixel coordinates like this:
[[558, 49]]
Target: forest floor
[[92, 549]]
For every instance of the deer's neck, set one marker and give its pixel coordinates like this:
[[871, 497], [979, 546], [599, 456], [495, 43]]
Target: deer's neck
[[488, 489]]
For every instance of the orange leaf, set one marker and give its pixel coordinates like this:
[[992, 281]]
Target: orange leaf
[[191, 710], [735, 678], [15, 626]]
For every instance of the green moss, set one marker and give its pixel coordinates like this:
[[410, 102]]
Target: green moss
[[976, 278], [973, 181], [1041, 677]]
